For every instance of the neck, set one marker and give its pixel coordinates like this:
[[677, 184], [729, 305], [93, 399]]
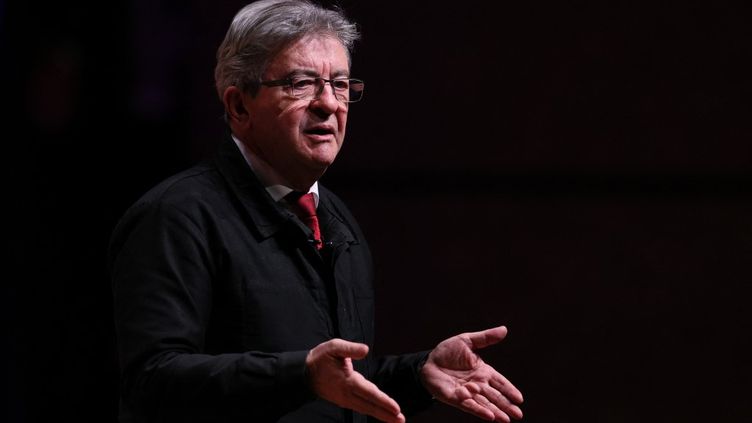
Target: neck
[[274, 181]]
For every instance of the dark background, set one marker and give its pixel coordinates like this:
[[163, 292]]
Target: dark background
[[592, 159]]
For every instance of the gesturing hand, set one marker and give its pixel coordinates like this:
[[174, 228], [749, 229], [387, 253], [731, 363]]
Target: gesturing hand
[[333, 378], [454, 374]]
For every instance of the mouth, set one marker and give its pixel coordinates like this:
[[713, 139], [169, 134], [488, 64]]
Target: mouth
[[320, 132]]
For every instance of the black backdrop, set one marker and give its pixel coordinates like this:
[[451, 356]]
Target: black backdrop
[[593, 159]]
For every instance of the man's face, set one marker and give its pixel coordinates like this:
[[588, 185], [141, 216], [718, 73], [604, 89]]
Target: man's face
[[300, 138]]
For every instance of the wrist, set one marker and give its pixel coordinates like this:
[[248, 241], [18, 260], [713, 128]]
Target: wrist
[[421, 375]]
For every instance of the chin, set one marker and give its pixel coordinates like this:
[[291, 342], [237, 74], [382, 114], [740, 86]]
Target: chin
[[324, 155], [322, 163]]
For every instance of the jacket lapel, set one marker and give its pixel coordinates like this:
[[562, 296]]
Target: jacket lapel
[[266, 216]]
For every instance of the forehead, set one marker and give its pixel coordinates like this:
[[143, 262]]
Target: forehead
[[310, 54]]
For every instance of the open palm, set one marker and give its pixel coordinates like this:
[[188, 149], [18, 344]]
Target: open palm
[[456, 375]]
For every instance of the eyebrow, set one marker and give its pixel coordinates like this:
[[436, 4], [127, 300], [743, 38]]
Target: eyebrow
[[314, 74]]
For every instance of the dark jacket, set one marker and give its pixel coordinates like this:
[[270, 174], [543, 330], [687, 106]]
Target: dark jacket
[[219, 295]]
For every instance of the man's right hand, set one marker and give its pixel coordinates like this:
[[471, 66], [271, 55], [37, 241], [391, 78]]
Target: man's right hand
[[332, 377]]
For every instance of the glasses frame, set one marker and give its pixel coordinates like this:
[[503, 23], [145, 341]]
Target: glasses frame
[[288, 83]]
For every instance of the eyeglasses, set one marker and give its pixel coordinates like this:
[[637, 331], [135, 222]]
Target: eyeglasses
[[346, 90]]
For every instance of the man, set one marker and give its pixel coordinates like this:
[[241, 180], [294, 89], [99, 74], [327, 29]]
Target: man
[[228, 305]]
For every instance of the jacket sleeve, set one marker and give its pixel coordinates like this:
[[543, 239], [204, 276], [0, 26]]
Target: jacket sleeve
[[162, 269], [398, 377]]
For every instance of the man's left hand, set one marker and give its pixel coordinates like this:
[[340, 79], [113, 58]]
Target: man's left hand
[[456, 375]]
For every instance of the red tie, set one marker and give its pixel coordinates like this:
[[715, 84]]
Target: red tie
[[305, 207]]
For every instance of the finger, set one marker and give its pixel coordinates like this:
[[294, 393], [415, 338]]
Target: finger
[[368, 392], [363, 406], [486, 337], [499, 414], [368, 399], [346, 349], [464, 399], [471, 406], [505, 387], [500, 402]]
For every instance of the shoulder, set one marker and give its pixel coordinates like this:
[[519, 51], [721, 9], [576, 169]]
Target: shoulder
[[186, 190], [184, 199], [199, 184], [187, 185]]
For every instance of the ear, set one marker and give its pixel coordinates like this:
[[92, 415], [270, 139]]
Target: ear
[[234, 101]]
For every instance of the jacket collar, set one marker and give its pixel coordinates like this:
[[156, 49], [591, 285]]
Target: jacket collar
[[337, 229], [267, 216]]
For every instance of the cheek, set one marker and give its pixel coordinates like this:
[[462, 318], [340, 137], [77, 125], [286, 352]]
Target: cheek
[[290, 122], [342, 123]]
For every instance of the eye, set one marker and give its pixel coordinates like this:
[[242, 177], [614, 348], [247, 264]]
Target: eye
[[302, 83], [341, 84], [357, 85]]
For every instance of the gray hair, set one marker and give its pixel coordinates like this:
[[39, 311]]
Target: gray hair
[[263, 28]]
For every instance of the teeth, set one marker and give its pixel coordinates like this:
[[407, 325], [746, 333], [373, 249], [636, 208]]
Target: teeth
[[320, 131]]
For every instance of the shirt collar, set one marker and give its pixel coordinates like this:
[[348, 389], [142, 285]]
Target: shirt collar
[[269, 177]]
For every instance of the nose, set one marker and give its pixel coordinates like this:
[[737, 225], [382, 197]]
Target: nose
[[326, 102]]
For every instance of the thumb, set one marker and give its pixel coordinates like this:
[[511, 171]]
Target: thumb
[[486, 337], [346, 349]]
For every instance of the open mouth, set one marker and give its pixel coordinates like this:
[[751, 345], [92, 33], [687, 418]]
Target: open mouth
[[320, 131]]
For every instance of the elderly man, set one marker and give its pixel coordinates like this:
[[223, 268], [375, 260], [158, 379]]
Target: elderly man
[[243, 288]]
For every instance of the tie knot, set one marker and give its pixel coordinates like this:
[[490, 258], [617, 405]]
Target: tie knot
[[304, 205]]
